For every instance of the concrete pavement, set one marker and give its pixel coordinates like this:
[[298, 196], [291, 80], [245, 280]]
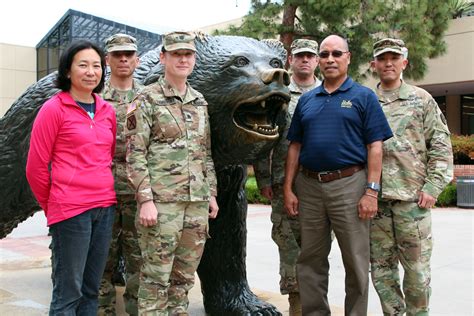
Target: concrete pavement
[[25, 285]]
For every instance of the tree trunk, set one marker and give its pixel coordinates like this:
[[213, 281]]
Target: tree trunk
[[288, 27]]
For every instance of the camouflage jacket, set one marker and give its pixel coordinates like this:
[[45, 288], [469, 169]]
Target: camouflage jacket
[[419, 156], [120, 100], [169, 146], [271, 170]]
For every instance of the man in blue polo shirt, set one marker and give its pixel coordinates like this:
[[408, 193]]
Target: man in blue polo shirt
[[334, 163]]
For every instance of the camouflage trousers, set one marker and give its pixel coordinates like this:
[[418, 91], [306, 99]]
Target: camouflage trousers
[[286, 234], [124, 241], [171, 252], [401, 232]]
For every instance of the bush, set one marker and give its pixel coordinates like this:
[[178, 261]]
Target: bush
[[448, 197], [463, 149], [253, 193]]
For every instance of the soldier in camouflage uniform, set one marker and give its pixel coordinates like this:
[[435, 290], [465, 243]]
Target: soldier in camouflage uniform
[[417, 165], [119, 91], [269, 172], [169, 164]]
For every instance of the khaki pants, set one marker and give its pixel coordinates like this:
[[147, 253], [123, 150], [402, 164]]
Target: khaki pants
[[322, 207], [171, 251]]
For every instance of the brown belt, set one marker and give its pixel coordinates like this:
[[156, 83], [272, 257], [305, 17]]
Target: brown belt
[[328, 176]]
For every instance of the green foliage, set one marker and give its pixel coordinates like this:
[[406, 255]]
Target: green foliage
[[420, 23], [448, 197], [463, 149], [457, 8], [252, 192]]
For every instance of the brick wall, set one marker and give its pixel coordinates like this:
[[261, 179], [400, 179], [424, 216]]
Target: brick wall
[[463, 170]]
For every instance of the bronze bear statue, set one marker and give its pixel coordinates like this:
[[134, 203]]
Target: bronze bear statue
[[244, 82]]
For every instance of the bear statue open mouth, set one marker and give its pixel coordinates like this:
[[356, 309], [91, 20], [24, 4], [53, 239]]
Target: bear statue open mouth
[[258, 116]]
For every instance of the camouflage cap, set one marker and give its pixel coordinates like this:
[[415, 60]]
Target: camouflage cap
[[120, 42], [304, 45], [393, 45], [179, 40]]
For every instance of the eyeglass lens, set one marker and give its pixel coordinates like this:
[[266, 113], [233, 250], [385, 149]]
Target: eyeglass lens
[[334, 53]]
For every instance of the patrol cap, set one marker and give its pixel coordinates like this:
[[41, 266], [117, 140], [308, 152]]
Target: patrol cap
[[393, 45], [304, 45], [179, 40], [120, 42]]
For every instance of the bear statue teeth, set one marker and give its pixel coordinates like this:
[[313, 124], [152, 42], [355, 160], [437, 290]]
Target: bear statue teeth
[[268, 131]]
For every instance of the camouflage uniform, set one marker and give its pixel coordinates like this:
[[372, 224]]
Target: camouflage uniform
[[417, 158], [271, 172], [169, 161], [124, 234]]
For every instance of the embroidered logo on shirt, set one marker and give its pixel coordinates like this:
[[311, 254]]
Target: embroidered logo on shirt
[[346, 104], [131, 122]]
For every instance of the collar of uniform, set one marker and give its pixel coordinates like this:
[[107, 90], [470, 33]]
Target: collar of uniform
[[169, 91], [346, 85], [294, 87], [403, 92], [108, 90]]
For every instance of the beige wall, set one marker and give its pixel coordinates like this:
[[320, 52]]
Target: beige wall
[[457, 65], [17, 72]]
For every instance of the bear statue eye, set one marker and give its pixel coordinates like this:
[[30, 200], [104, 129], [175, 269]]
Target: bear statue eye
[[276, 63], [241, 61]]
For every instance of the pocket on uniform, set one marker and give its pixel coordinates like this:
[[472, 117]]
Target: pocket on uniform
[[425, 237], [168, 123]]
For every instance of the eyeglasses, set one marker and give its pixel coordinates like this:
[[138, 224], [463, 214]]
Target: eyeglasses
[[334, 53], [120, 53]]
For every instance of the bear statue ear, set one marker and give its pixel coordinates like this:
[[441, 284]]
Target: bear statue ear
[[276, 46]]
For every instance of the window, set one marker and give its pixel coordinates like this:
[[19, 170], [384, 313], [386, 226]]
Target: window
[[442, 104], [467, 114]]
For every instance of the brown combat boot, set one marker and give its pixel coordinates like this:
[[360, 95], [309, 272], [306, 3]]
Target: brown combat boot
[[295, 304]]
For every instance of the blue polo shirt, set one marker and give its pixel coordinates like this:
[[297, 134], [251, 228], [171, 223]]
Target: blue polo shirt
[[334, 128]]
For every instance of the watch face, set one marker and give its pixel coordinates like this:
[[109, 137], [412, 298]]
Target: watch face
[[373, 186]]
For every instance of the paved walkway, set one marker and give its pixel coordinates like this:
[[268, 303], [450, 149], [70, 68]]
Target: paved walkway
[[25, 286]]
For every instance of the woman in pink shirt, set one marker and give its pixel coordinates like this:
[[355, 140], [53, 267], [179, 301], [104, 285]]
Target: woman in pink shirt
[[69, 171]]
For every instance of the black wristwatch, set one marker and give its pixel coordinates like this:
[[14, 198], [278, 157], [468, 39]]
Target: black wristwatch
[[373, 186]]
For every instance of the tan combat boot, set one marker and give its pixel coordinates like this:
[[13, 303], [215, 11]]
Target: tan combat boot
[[295, 304]]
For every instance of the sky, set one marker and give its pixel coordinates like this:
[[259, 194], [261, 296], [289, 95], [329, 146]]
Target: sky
[[26, 22]]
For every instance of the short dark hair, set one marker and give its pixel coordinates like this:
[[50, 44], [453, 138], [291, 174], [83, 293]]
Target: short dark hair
[[62, 81]]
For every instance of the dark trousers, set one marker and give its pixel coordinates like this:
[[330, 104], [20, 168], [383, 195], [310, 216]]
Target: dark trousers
[[80, 246], [322, 207]]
